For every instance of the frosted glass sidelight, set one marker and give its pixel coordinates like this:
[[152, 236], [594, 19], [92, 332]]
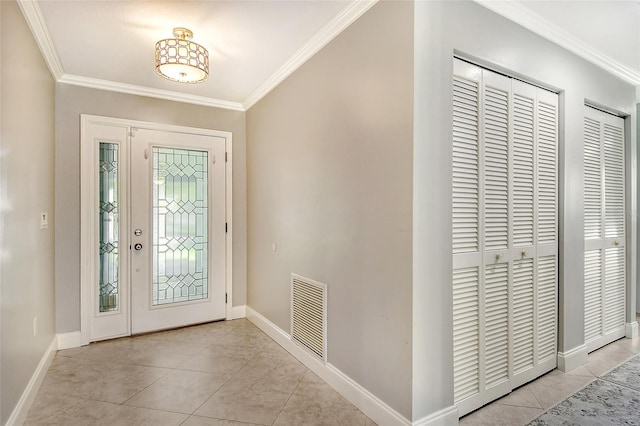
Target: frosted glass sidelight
[[109, 227], [180, 225]]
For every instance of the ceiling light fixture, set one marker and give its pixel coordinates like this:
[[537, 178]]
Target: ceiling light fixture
[[180, 59]]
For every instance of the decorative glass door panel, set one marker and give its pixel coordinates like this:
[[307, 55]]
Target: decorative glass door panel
[[109, 227], [178, 229], [180, 225]]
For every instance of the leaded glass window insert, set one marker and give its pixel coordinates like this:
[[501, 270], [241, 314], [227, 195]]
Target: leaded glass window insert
[[180, 225], [108, 281]]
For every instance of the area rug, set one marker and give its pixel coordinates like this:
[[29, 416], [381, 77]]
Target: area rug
[[613, 399]]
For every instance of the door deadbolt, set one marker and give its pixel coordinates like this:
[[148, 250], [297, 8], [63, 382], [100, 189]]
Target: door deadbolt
[[138, 246], [137, 232]]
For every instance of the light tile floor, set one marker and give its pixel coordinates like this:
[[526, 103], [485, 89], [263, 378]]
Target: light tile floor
[[529, 401], [231, 374], [220, 374]]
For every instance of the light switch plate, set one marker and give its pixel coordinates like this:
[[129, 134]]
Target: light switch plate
[[44, 220]]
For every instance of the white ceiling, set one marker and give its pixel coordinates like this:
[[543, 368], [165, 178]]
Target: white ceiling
[[250, 42], [255, 44]]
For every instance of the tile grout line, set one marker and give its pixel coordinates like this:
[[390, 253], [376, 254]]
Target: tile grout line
[[288, 399], [227, 381], [223, 384]]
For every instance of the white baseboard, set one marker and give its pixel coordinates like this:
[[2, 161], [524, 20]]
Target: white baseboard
[[237, 312], [631, 330], [368, 403], [573, 358], [19, 414], [447, 417], [69, 340]]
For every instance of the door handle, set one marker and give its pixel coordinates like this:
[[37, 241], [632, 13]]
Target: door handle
[[138, 246]]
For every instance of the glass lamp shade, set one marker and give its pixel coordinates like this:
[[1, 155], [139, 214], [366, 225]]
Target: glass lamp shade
[[182, 60]]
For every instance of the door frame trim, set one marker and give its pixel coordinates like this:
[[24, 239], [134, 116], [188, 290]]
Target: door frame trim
[[88, 194]]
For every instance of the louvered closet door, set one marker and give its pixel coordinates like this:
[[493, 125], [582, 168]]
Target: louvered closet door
[[604, 228], [504, 234]]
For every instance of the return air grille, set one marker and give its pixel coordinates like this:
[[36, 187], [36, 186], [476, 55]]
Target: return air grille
[[309, 315]]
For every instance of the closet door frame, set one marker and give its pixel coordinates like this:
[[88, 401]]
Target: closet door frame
[[628, 238]]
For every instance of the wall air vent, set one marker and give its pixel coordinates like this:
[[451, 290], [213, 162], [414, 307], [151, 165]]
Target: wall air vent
[[309, 315]]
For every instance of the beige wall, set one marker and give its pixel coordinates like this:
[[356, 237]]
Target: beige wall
[[71, 101], [27, 189], [329, 161]]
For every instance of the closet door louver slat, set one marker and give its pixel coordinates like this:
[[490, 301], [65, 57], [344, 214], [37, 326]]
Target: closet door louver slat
[[613, 181], [523, 311], [592, 181], [465, 166], [466, 332], [523, 185], [547, 307], [496, 169], [614, 305], [547, 138], [496, 306], [592, 294]]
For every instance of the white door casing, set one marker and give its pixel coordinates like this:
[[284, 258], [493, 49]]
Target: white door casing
[[505, 232], [117, 134]]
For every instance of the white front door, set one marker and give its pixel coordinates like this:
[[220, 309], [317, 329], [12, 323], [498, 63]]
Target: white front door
[[177, 229], [155, 248]]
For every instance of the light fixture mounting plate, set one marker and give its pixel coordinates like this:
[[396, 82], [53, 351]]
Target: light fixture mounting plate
[[183, 33]]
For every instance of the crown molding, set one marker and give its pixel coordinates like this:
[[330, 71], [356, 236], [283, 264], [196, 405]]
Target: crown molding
[[534, 22], [317, 42], [35, 20], [132, 89]]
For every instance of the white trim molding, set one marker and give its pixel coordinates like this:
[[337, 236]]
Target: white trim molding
[[445, 417], [369, 404], [21, 410], [330, 31], [35, 20], [525, 17], [132, 89], [69, 340], [237, 312], [631, 330], [573, 358]]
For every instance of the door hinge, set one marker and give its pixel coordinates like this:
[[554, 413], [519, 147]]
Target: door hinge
[[225, 157], [226, 298], [226, 227]]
